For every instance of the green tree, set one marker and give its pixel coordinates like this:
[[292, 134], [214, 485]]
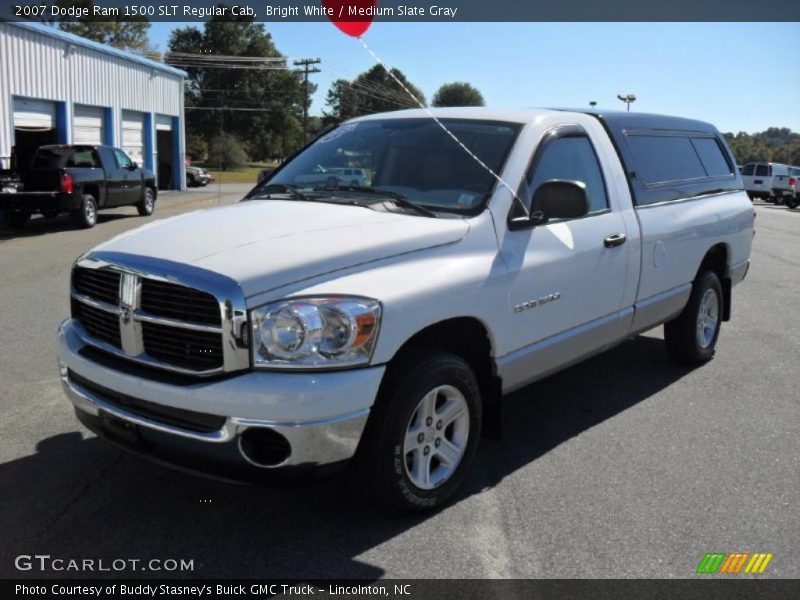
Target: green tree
[[226, 152], [776, 144], [196, 146], [372, 91], [342, 98], [126, 33], [458, 93], [261, 105]]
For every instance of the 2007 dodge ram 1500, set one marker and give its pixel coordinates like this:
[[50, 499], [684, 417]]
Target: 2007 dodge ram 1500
[[80, 180], [318, 321]]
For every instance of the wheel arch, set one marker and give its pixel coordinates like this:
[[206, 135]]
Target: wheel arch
[[717, 259], [470, 339], [93, 189]]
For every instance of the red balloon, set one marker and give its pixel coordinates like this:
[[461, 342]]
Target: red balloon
[[340, 7]]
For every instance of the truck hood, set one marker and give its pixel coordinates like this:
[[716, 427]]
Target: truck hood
[[267, 244]]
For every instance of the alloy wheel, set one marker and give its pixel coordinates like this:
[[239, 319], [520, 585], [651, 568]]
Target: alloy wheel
[[436, 437]]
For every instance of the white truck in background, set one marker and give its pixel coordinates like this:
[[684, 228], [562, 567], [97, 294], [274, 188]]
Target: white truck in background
[[312, 324], [792, 198], [773, 182]]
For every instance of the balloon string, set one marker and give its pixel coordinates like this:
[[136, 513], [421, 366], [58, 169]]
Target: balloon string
[[438, 122]]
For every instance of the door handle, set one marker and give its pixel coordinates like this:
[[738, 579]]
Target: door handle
[[615, 239]]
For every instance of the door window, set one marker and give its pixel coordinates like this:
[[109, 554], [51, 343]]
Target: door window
[[84, 158], [123, 161], [665, 158], [571, 158]]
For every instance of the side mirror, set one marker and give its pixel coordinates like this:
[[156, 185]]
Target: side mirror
[[133, 166], [554, 199], [560, 199]]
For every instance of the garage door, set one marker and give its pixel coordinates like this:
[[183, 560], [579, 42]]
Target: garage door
[[34, 115], [163, 123], [88, 125], [133, 135]]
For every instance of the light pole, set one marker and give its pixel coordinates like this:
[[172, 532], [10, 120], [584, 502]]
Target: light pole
[[627, 99]]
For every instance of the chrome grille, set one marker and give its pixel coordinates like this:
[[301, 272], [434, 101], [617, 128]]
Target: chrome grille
[[99, 323], [179, 302], [196, 350], [174, 317], [100, 284]]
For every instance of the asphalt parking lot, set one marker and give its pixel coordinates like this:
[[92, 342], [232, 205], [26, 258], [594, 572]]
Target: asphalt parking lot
[[623, 466]]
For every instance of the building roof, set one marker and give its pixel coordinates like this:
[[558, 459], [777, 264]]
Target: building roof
[[79, 41]]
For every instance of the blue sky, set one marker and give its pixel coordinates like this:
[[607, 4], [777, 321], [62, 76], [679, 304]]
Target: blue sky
[[739, 76]]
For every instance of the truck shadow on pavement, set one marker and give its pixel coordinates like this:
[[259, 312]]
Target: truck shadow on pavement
[[40, 226], [82, 498]]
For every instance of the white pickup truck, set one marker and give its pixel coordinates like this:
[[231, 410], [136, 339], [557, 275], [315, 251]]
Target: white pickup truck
[[314, 323], [773, 182]]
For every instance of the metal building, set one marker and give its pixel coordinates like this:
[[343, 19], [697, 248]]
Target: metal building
[[56, 87]]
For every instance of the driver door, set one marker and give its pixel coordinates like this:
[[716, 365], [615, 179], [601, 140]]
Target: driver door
[[567, 282], [126, 187]]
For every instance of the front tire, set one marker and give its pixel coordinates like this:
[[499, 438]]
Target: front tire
[[423, 432], [691, 337], [85, 217], [147, 205]]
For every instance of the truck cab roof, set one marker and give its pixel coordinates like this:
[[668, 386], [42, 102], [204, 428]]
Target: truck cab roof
[[75, 146], [617, 119]]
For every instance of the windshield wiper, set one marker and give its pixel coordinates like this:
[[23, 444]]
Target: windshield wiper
[[279, 188], [398, 199]]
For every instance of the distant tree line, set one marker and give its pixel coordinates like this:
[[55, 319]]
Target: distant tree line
[[378, 90], [776, 144]]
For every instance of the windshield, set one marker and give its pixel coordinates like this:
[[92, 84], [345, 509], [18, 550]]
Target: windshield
[[413, 158]]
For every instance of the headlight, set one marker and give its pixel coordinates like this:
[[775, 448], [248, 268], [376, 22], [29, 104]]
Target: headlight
[[326, 332]]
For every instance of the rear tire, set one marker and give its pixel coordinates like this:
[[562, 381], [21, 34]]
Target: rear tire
[[16, 219], [692, 336], [86, 216], [423, 432], [793, 202], [147, 205]]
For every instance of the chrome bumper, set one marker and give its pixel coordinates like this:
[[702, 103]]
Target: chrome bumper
[[330, 438], [315, 442]]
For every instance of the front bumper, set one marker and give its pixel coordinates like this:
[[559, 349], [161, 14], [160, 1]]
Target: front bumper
[[320, 415]]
